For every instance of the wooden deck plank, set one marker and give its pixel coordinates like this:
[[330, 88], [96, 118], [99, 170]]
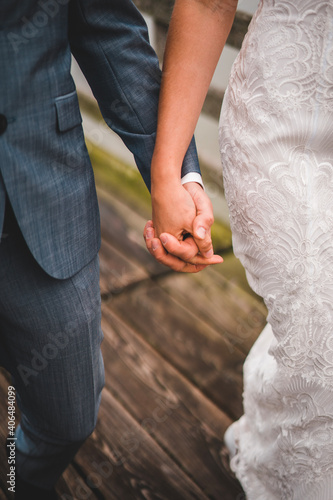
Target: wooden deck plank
[[169, 347], [234, 313], [127, 462], [173, 411], [131, 356], [120, 226], [117, 271], [196, 349], [71, 486], [232, 270]]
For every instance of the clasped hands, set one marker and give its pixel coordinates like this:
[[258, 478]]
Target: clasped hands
[[179, 235]]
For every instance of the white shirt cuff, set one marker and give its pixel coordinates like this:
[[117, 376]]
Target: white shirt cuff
[[193, 177]]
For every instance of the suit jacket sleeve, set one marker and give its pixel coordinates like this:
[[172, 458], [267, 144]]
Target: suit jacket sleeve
[[109, 40]]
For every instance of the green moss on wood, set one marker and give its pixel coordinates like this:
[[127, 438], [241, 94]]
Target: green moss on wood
[[125, 183]]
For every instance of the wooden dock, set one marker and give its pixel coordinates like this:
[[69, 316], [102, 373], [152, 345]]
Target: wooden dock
[[173, 350]]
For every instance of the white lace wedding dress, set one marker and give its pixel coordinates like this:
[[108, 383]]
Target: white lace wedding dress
[[276, 134]]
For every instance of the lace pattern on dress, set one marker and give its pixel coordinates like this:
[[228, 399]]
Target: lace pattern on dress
[[276, 140]]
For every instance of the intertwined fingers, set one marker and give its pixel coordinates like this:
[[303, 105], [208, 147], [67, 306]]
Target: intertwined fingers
[[181, 256]]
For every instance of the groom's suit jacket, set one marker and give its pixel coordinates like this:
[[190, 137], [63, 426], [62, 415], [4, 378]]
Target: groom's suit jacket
[[44, 164]]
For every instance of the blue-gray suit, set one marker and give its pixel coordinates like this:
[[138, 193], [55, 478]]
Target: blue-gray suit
[[49, 296], [43, 159]]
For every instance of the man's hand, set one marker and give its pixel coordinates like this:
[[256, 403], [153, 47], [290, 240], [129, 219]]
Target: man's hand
[[177, 212]]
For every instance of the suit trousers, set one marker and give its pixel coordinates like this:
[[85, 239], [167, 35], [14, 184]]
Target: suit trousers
[[50, 336]]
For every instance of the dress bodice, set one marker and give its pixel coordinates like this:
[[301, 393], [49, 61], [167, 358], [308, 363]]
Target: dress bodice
[[288, 53]]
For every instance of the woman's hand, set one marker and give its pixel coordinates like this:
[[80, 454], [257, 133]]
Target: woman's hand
[[173, 209]]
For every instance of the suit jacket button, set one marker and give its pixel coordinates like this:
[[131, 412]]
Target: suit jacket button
[[3, 123]]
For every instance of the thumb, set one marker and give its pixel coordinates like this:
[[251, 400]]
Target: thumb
[[202, 236], [202, 223]]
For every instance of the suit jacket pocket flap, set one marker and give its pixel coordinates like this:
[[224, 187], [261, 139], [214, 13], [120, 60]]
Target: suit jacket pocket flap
[[68, 111]]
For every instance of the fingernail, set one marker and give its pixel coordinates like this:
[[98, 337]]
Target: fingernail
[[164, 239], [154, 246], [201, 232], [149, 233], [209, 254]]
